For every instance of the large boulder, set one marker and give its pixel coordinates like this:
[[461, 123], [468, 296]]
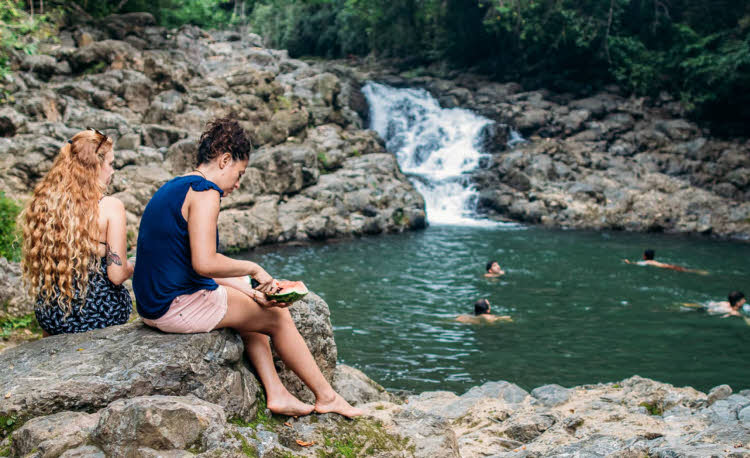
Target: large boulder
[[87, 371]]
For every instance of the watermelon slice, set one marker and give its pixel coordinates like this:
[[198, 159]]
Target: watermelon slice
[[289, 291]]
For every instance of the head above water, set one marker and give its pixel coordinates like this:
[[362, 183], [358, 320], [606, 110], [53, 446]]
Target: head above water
[[648, 255], [224, 136], [490, 265], [481, 307], [736, 299]]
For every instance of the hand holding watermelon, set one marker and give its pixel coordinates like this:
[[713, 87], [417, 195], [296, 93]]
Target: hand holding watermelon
[[288, 291]]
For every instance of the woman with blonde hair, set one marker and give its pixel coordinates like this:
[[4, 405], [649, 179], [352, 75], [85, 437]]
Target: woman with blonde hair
[[74, 241]]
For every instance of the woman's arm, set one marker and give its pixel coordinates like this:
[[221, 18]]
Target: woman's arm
[[119, 268], [202, 215]]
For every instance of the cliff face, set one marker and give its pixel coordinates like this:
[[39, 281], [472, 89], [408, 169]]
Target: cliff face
[[604, 161], [314, 173]]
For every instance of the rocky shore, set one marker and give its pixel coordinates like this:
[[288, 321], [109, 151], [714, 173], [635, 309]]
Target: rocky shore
[[131, 391], [315, 173], [597, 161]]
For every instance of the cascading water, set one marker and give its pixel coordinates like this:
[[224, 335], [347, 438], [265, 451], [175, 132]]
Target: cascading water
[[436, 147]]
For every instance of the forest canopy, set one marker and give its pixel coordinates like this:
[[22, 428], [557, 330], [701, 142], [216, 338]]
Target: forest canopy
[[696, 50]]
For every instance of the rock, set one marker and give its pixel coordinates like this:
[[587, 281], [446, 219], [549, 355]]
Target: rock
[[159, 423], [508, 392], [354, 386], [526, 429], [551, 395], [54, 434], [718, 393], [14, 298], [88, 371]]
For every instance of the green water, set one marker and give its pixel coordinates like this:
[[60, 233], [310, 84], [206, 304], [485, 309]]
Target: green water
[[580, 315]]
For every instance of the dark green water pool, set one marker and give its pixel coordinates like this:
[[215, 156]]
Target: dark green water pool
[[580, 314]]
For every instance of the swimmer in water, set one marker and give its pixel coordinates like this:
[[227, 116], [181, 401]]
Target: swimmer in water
[[731, 307], [648, 260], [493, 270], [482, 314]]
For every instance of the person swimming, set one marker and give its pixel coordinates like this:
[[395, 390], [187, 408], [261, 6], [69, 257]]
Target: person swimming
[[648, 260], [731, 307], [493, 269], [482, 314]]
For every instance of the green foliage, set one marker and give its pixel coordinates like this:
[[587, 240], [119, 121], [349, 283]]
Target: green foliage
[[10, 246], [21, 32], [8, 424], [8, 325]]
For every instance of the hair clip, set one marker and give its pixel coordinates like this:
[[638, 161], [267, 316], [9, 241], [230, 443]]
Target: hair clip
[[70, 141]]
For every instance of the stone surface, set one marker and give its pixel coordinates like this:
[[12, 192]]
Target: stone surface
[[14, 299], [354, 386], [52, 435], [154, 90], [88, 371], [159, 423], [551, 395]]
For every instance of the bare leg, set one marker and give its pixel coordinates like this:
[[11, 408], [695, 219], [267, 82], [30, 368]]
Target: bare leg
[[279, 399], [247, 317]]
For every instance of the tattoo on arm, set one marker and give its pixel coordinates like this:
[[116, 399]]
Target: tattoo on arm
[[112, 257]]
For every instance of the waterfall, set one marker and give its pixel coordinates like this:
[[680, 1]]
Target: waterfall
[[435, 147]]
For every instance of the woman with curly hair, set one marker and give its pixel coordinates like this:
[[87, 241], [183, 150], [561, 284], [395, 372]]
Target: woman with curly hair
[[183, 285], [74, 241]]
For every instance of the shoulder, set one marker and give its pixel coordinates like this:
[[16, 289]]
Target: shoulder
[[111, 205]]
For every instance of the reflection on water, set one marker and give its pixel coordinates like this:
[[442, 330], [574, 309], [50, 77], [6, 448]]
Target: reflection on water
[[580, 314]]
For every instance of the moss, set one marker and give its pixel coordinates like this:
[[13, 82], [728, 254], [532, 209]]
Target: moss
[[98, 67], [361, 437], [399, 218], [247, 449], [323, 159], [5, 451], [654, 408], [281, 103], [261, 418], [616, 385]]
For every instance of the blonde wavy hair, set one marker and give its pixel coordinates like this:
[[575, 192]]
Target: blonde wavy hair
[[60, 222]]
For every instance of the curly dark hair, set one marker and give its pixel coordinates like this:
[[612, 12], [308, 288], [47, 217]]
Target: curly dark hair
[[224, 135]]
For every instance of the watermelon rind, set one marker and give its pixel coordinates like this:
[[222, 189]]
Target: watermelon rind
[[289, 296]]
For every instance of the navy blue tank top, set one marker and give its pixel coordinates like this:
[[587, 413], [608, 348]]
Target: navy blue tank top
[[163, 268]]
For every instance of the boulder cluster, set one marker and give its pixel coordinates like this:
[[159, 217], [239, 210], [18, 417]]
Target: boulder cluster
[[314, 173], [600, 161]]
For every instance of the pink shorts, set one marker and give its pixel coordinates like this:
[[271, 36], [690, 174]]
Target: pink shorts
[[191, 313]]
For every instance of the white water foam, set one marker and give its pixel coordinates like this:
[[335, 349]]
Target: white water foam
[[436, 147]]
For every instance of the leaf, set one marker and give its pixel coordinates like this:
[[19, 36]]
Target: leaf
[[304, 444], [7, 395], [286, 423]]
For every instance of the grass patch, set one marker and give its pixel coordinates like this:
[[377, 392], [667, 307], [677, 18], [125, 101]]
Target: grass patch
[[653, 408], [361, 437]]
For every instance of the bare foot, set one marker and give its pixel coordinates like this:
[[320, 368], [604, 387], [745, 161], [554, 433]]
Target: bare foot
[[286, 404], [337, 405]]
